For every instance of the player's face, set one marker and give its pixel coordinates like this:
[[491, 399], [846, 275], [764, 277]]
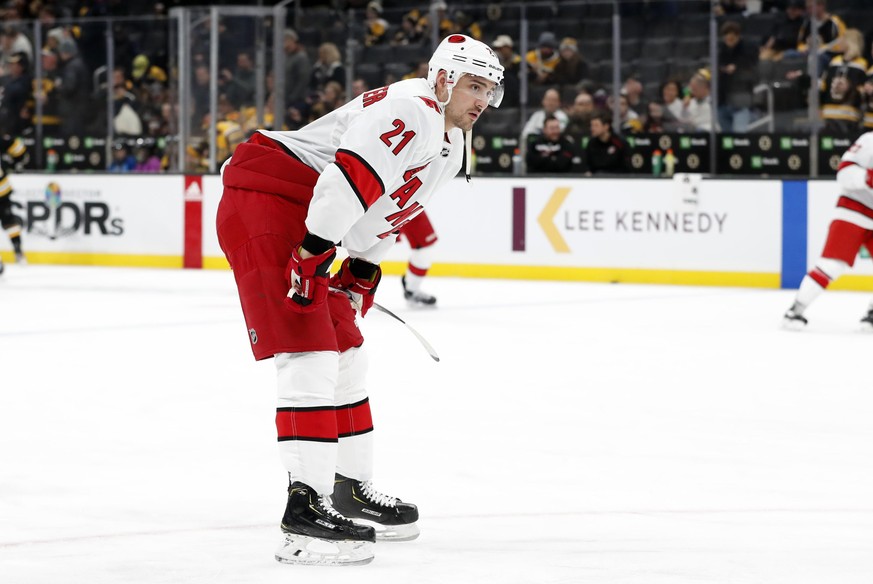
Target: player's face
[[470, 97]]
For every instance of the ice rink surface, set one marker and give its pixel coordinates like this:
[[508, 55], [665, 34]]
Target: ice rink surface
[[573, 433]]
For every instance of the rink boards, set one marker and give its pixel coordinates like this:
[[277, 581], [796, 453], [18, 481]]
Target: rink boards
[[758, 233]]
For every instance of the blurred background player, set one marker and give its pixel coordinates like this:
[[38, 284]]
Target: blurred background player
[[356, 175], [14, 149], [850, 229], [421, 236]]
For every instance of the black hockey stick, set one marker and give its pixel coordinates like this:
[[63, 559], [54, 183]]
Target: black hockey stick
[[430, 350]]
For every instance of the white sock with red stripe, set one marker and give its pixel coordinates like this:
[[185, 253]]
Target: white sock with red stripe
[[306, 417], [419, 263], [816, 281], [354, 422]]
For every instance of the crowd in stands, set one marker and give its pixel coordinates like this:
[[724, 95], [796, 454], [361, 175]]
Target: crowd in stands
[[666, 74]]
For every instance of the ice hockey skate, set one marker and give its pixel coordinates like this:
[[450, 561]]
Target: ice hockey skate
[[392, 519], [793, 320], [867, 322], [2, 266], [20, 259], [317, 535], [417, 298]]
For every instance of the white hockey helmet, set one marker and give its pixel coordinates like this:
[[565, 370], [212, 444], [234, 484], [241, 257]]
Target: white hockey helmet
[[459, 54]]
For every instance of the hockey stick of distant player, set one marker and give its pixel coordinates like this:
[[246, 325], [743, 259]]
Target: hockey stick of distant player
[[431, 351]]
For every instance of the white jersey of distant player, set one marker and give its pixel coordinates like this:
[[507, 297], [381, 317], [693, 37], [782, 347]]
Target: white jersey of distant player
[[852, 178], [381, 157]]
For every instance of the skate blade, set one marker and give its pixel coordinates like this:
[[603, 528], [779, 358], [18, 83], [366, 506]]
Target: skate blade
[[792, 325], [406, 532], [865, 327], [311, 551]]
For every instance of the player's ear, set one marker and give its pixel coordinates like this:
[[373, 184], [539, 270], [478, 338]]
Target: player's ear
[[441, 82]]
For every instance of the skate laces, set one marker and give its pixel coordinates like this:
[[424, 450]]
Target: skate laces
[[324, 503], [379, 498]]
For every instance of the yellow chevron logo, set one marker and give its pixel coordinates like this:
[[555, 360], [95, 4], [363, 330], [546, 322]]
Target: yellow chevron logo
[[547, 219]]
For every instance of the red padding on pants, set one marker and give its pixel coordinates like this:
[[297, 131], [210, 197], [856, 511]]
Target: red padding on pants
[[313, 424], [354, 419]]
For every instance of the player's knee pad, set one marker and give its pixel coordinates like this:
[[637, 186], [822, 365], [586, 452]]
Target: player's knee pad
[[307, 379], [351, 384]]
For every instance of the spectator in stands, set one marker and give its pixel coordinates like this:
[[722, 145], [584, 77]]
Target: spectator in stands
[[785, 32], [146, 158], [670, 91], [74, 90], [16, 92], [298, 69], [375, 27], [409, 33], [629, 119], [463, 23], [842, 87], [737, 75], [122, 159], [551, 151], [126, 120], [511, 62], [580, 114], [422, 27], [605, 152], [551, 107], [330, 98], [696, 113], [831, 32], [328, 67], [200, 92], [12, 41], [867, 97], [542, 60], [359, 86], [48, 95], [239, 85], [633, 91], [420, 71], [571, 67], [144, 73], [658, 119]]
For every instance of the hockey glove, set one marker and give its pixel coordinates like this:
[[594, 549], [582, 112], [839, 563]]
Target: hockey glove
[[309, 280], [359, 279]]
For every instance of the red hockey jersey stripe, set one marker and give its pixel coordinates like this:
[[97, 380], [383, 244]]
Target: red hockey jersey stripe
[[354, 419], [844, 164], [856, 206], [361, 176], [313, 424]]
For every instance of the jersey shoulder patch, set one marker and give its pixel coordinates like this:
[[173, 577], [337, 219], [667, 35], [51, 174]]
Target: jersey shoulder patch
[[431, 103]]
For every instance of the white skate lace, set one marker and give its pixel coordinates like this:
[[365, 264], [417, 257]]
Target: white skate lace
[[325, 504], [376, 496]]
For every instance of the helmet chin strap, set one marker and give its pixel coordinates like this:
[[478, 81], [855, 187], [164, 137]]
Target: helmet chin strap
[[468, 135], [468, 144]]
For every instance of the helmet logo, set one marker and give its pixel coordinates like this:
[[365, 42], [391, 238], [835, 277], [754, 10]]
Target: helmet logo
[[456, 38]]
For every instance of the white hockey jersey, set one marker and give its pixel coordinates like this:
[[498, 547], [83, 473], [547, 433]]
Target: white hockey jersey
[[852, 178], [380, 156]]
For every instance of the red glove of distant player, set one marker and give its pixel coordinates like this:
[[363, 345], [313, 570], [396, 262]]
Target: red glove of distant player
[[309, 280], [359, 278]]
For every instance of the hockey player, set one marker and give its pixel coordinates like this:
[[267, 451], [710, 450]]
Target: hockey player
[[421, 236], [15, 149], [355, 176], [851, 228]]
